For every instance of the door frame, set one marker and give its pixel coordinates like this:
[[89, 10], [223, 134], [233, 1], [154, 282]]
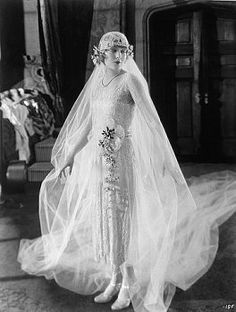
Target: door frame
[[165, 7]]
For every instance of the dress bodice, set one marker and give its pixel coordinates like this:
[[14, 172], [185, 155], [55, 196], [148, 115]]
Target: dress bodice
[[112, 105]]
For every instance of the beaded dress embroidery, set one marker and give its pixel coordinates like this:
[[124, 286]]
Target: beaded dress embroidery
[[112, 114]]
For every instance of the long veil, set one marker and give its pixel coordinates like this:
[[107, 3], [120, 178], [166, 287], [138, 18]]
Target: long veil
[[173, 239], [179, 241]]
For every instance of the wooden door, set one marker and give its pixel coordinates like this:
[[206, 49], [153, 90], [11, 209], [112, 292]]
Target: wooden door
[[192, 62]]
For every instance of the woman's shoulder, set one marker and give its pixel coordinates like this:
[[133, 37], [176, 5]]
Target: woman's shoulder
[[129, 75], [133, 81]]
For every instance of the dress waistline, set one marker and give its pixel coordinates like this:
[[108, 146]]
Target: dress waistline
[[91, 135], [128, 134]]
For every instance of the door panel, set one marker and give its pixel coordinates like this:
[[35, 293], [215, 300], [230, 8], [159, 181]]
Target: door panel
[[172, 74], [219, 130], [184, 116]]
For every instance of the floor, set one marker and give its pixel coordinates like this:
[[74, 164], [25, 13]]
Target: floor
[[214, 292]]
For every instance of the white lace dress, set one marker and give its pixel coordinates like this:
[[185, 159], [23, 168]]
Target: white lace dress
[[113, 109]]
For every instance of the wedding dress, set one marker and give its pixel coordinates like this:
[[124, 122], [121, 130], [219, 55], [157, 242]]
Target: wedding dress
[[119, 206]]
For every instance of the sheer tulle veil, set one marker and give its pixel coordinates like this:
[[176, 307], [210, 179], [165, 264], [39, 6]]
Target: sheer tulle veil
[[174, 228]]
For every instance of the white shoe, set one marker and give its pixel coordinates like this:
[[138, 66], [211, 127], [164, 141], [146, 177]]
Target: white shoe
[[123, 300], [108, 294]]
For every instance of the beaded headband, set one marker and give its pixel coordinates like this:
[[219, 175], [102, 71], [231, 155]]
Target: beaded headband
[[108, 41]]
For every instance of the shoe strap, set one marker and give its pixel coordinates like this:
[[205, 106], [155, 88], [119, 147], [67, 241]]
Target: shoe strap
[[115, 284]]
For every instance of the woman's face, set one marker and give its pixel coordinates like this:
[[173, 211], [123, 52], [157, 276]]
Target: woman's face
[[115, 57]]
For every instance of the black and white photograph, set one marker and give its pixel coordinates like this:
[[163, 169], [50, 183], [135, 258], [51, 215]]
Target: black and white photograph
[[117, 155]]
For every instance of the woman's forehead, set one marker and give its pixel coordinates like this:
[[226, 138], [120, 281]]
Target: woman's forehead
[[117, 47]]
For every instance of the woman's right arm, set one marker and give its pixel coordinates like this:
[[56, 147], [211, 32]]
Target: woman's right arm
[[77, 143]]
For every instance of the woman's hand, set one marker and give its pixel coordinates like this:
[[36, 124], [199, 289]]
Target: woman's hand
[[62, 174]]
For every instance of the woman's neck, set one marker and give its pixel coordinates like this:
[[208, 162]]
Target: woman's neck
[[110, 73]]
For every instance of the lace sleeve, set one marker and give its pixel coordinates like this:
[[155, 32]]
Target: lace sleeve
[[78, 142]]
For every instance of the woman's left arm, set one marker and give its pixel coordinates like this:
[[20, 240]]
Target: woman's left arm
[[141, 96]]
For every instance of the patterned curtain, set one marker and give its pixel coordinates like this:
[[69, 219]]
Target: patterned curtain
[[51, 51]]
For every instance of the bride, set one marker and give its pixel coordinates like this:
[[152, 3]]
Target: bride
[[116, 214]]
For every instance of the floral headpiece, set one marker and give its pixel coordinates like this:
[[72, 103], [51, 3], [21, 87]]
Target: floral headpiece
[[108, 41]]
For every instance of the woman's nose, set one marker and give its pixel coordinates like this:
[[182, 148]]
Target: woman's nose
[[117, 54]]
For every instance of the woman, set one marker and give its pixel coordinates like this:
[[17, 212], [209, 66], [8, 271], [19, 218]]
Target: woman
[[116, 213]]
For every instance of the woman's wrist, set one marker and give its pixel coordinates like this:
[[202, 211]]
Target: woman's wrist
[[68, 162]]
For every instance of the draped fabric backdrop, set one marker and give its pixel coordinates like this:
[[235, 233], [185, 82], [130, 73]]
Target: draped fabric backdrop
[[12, 43], [51, 51], [75, 19]]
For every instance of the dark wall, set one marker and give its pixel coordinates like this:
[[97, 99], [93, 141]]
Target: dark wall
[[12, 42], [75, 19]]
